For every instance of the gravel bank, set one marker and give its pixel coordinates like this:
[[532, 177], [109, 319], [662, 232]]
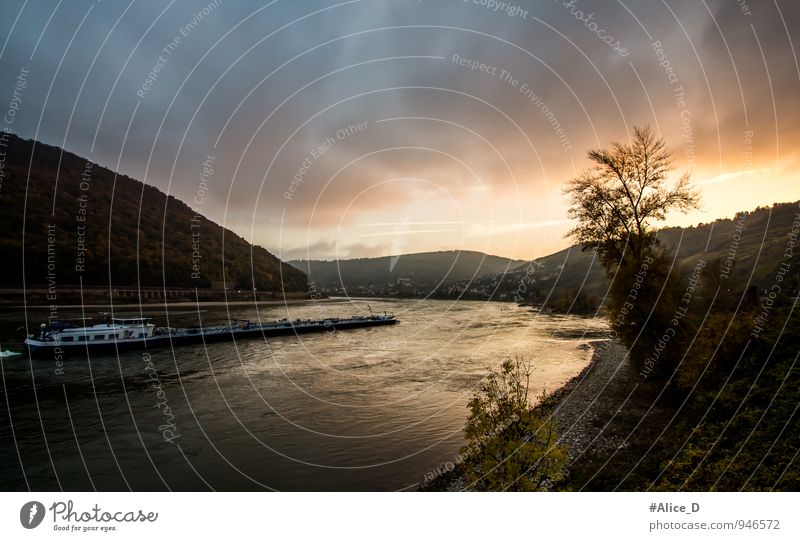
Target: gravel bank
[[584, 406]]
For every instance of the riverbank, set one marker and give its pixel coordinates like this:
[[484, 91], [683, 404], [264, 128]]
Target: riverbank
[[95, 296], [581, 407], [199, 304], [595, 413]]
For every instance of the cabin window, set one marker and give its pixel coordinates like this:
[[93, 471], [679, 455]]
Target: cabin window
[[141, 335], [82, 338], [99, 336], [67, 339]]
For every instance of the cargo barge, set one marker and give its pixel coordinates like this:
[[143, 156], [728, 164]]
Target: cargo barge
[[121, 334]]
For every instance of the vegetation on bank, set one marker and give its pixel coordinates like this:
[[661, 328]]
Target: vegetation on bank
[[510, 446], [735, 428], [68, 220], [714, 351], [712, 333]]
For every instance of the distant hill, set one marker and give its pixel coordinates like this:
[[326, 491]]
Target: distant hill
[[569, 270], [110, 229], [745, 249], [421, 270]]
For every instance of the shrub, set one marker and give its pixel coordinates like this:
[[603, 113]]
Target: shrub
[[509, 445]]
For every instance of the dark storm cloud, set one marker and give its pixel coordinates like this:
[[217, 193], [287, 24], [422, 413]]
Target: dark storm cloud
[[264, 89]]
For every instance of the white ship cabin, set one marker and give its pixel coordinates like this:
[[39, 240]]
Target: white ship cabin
[[115, 329]]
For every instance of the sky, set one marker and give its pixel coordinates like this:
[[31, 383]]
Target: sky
[[364, 128]]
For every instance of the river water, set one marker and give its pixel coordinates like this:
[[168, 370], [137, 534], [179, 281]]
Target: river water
[[366, 409]]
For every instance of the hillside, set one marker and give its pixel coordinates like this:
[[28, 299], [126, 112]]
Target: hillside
[[743, 250], [108, 229], [422, 270], [755, 242]]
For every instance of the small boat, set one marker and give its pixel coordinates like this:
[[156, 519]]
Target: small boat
[[117, 334]]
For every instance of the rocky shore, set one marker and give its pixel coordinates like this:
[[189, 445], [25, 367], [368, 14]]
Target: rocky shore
[[583, 406]]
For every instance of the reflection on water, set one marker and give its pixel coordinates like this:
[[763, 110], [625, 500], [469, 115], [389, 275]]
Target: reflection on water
[[367, 409]]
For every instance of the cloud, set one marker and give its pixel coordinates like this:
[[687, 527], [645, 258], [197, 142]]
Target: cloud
[[492, 229], [263, 88], [733, 175]]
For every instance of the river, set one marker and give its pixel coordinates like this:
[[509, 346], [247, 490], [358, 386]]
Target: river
[[367, 409]]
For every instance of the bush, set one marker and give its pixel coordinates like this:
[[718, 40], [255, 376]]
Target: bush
[[509, 446]]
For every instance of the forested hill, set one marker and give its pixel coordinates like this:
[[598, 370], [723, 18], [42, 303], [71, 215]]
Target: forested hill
[[741, 251], [107, 229], [428, 269]]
